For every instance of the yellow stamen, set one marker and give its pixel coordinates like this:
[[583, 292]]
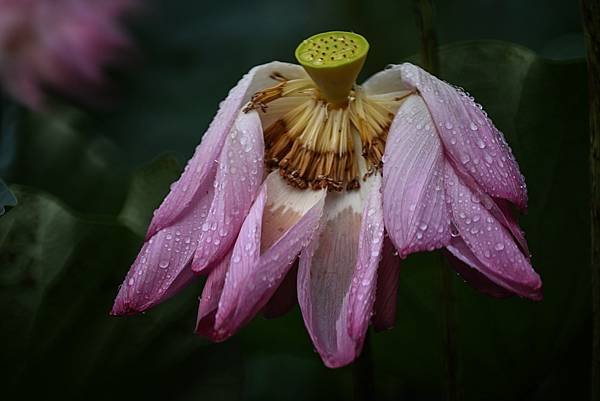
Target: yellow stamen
[[325, 132]]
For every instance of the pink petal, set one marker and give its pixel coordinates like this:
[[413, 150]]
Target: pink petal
[[461, 259], [285, 297], [281, 221], [162, 266], [340, 261], [237, 182], [209, 301], [199, 173], [470, 139], [413, 195], [364, 281], [501, 259], [388, 277]]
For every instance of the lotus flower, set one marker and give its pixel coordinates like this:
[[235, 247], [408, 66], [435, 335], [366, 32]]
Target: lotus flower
[[298, 179], [58, 44]]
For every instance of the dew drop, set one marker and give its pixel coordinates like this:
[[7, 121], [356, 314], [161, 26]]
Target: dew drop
[[453, 231]]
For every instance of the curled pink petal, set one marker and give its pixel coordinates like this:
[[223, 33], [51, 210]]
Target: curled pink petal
[[470, 139], [162, 266], [502, 260], [199, 173], [413, 191], [329, 267], [388, 277], [279, 225], [239, 176]]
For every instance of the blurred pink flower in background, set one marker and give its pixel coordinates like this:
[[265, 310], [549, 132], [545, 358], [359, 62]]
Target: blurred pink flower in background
[[60, 45]]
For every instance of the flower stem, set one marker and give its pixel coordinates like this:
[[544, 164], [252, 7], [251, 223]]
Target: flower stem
[[591, 25], [362, 374]]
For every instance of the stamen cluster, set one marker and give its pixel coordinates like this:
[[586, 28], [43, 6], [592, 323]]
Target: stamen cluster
[[316, 144]]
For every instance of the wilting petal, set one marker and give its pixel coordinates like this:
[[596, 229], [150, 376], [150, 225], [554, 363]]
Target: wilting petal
[[413, 192], [285, 297], [364, 281], [388, 276], [209, 301], [470, 138], [461, 259], [238, 179], [200, 171], [502, 261], [162, 266], [279, 225], [333, 264]]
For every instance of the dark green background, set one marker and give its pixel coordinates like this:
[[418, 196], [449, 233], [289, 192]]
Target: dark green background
[[84, 202]]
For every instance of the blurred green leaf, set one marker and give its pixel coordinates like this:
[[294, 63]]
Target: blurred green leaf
[[61, 272]]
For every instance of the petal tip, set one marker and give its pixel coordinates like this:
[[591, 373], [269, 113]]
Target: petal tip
[[126, 308]]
